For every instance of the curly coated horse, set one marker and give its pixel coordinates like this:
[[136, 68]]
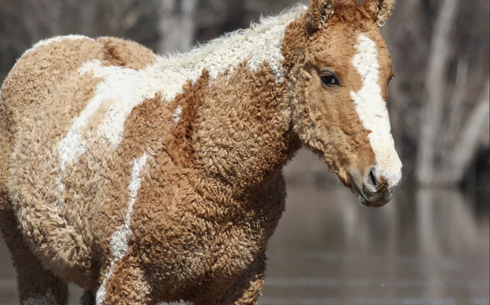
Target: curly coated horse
[[145, 178]]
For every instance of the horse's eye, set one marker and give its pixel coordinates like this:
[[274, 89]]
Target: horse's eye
[[330, 79]]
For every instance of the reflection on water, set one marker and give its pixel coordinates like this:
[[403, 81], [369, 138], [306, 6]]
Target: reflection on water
[[423, 248]]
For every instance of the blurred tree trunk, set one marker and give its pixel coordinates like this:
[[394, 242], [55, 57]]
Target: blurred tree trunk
[[436, 89], [177, 25], [25, 22]]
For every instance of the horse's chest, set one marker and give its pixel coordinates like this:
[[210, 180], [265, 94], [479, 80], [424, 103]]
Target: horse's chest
[[207, 250]]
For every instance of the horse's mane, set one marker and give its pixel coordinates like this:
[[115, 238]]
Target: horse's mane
[[263, 25]]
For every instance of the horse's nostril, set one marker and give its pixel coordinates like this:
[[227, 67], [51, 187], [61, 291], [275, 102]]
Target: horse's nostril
[[372, 176], [371, 183]]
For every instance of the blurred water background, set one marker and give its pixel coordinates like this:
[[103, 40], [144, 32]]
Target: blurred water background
[[430, 245]]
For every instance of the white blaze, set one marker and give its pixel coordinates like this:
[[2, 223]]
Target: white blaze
[[119, 240], [372, 110]]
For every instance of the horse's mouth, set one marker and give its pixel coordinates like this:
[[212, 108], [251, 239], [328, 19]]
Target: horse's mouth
[[360, 195], [371, 201]]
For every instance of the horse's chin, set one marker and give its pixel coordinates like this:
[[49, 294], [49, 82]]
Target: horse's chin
[[371, 204]]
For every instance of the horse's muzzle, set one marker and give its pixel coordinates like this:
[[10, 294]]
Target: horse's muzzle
[[375, 187]]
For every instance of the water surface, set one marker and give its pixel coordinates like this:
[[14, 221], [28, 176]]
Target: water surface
[[423, 248]]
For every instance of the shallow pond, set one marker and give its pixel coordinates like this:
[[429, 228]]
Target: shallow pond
[[423, 248], [426, 247]]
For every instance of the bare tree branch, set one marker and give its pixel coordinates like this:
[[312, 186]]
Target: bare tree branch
[[457, 101], [469, 141], [436, 85]]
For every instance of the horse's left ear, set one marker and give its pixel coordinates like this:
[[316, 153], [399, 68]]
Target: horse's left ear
[[318, 13], [380, 9]]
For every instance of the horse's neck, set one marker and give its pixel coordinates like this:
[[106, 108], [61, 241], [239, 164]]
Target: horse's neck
[[242, 129], [242, 125]]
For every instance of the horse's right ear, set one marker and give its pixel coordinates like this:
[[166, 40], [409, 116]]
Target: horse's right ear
[[380, 10], [318, 13]]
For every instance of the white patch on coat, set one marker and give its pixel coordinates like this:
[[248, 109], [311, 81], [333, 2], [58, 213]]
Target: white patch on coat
[[47, 299], [119, 240], [372, 111], [127, 88]]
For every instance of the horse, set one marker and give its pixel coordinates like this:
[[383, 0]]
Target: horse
[[144, 178]]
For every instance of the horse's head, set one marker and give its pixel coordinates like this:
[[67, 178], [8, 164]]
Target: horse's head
[[341, 73]]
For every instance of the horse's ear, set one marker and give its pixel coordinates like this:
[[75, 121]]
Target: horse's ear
[[318, 13], [380, 9]]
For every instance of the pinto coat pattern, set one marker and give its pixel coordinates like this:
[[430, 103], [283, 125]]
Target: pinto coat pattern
[[148, 179]]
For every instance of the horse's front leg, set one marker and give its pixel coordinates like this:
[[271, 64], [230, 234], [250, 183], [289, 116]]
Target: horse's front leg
[[88, 298], [35, 284], [124, 283], [244, 290], [251, 291]]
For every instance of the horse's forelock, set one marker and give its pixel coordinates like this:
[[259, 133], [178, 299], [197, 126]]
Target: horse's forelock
[[350, 11]]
